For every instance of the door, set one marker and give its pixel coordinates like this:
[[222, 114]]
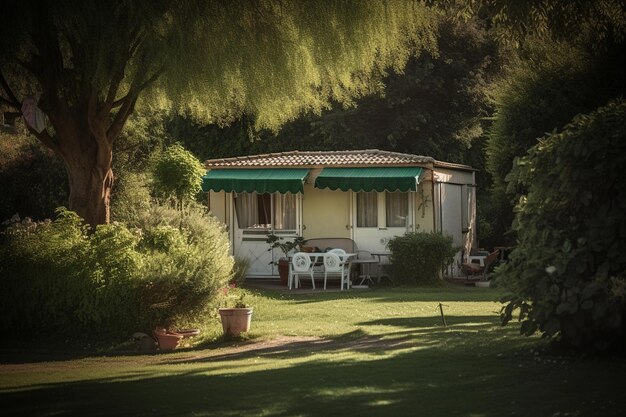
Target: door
[[257, 215], [452, 217]]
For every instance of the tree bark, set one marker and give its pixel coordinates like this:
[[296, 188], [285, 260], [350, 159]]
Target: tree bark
[[87, 152], [90, 182]]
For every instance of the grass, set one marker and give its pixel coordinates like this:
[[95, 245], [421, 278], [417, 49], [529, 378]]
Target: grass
[[373, 353]]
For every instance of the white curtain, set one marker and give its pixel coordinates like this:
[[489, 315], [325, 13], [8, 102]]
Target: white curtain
[[397, 209], [367, 209], [284, 211], [247, 209]]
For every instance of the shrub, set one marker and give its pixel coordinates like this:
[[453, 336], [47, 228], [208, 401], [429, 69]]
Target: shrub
[[178, 173], [57, 278], [240, 269], [567, 275], [419, 258], [187, 261]]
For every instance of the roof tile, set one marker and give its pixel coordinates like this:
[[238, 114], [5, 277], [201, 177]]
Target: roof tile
[[320, 158]]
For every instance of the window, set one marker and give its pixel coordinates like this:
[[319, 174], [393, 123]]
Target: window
[[367, 209], [266, 210], [397, 209], [384, 209], [284, 211]]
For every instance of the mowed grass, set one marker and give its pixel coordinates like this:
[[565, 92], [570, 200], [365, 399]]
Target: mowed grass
[[358, 353]]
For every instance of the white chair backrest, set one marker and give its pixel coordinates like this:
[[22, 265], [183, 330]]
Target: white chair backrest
[[338, 251], [332, 262], [301, 262]]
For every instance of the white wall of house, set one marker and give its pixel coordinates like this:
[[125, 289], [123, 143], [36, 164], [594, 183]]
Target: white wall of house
[[424, 208], [218, 205]]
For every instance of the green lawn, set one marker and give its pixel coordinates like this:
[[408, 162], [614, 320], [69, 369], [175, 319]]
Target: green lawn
[[357, 353]]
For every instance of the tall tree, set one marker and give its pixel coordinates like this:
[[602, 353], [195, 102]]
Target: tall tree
[[88, 64]]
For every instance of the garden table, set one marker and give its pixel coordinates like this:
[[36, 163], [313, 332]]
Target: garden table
[[367, 266], [380, 255]]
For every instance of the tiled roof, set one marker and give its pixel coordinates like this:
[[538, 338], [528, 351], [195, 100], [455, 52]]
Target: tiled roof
[[321, 159]]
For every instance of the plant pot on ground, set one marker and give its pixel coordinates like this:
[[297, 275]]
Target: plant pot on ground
[[286, 247], [236, 320], [236, 314]]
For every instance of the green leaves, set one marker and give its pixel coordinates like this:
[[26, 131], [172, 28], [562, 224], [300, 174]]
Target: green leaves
[[418, 258], [570, 244], [59, 279], [178, 173]]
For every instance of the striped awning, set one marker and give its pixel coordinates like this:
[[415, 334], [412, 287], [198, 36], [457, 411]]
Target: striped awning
[[262, 181], [370, 179]]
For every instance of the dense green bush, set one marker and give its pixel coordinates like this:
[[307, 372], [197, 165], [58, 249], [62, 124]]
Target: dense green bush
[[178, 173], [419, 258], [187, 261], [567, 274], [58, 278]]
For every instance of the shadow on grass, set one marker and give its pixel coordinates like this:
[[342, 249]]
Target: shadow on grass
[[399, 295], [427, 380], [435, 321]]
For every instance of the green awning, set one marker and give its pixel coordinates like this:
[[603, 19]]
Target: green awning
[[370, 179], [281, 180]]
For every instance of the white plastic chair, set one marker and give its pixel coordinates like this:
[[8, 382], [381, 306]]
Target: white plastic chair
[[335, 265], [301, 264], [338, 251]]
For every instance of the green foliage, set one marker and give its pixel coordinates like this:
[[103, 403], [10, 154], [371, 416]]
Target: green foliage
[[178, 173], [250, 56], [32, 179], [275, 243], [542, 91], [433, 107], [60, 280], [560, 19], [567, 274], [187, 261], [419, 258], [131, 196], [240, 269]]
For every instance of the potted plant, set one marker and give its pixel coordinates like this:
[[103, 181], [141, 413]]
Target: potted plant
[[235, 314], [286, 247]]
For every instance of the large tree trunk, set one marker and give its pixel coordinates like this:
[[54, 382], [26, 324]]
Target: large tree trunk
[[90, 189]]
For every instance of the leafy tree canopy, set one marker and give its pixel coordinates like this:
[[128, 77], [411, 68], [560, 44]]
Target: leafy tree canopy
[[434, 107], [562, 20], [89, 63], [542, 91], [178, 173], [213, 59]]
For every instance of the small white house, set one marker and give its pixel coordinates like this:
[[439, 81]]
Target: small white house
[[369, 196]]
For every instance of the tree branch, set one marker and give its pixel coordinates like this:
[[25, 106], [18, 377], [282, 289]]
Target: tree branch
[[122, 115], [110, 102], [136, 90], [45, 138]]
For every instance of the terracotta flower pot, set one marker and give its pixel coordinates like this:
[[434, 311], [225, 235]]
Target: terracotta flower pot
[[283, 271], [167, 341], [235, 320]]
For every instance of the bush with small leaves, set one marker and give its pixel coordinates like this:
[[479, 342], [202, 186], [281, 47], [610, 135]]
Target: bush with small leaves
[[419, 258], [59, 279], [567, 275]]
